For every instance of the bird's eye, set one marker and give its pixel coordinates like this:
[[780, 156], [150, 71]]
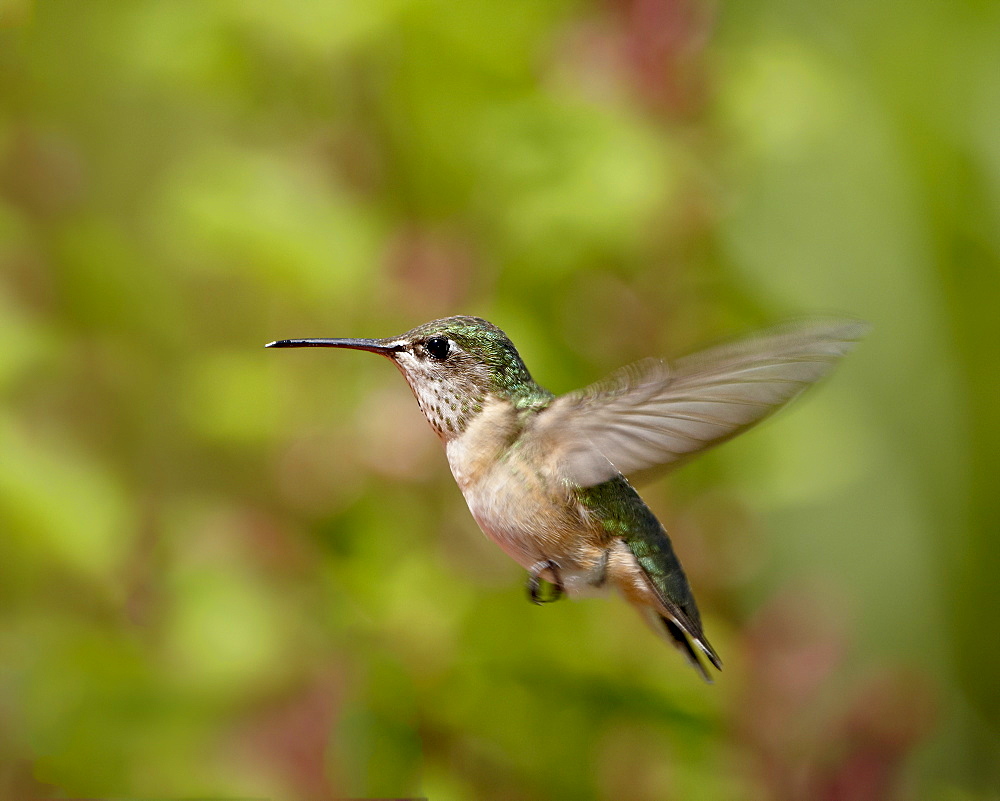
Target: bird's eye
[[438, 348]]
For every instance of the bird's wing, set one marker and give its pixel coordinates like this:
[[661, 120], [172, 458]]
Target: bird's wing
[[651, 413]]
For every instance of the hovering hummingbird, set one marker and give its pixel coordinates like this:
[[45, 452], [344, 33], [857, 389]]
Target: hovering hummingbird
[[545, 476]]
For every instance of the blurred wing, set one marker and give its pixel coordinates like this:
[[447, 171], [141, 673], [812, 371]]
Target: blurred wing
[[651, 413]]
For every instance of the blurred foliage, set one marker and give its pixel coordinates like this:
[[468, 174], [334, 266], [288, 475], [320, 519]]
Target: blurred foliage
[[232, 572]]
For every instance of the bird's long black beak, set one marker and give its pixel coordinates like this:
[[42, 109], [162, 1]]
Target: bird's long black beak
[[373, 345]]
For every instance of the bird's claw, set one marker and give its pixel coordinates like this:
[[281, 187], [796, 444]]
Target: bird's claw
[[535, 581]]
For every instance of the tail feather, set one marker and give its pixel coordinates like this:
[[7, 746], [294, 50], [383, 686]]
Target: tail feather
[[677, 633], [677, 610], [680, 641], [683, 632], [655, 585], [704, 646]]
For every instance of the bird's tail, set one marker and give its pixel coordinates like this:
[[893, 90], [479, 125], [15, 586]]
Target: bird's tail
[[653, 582], [682, 637], [668, 604]]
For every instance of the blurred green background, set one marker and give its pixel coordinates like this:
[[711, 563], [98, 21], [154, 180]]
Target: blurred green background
[[232, 572]]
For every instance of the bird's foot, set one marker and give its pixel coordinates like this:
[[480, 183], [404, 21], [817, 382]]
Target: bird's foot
[[535, 581]]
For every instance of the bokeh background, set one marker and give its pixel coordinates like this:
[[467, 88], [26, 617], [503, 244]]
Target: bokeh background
[[232, 572]]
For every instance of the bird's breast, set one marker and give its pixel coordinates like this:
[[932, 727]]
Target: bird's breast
[[517, 497]]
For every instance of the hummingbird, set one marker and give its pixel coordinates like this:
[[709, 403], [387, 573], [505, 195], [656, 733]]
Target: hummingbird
[[545, 476]]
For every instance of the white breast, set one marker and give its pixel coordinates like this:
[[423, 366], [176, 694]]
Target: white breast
[[527, 512]]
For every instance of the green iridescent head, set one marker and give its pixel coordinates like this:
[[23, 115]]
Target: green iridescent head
[[454, 366]]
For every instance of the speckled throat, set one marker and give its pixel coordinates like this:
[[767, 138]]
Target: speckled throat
[[448, 405]]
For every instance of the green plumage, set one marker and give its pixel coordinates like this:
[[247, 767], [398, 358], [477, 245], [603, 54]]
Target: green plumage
[[625, 516]]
